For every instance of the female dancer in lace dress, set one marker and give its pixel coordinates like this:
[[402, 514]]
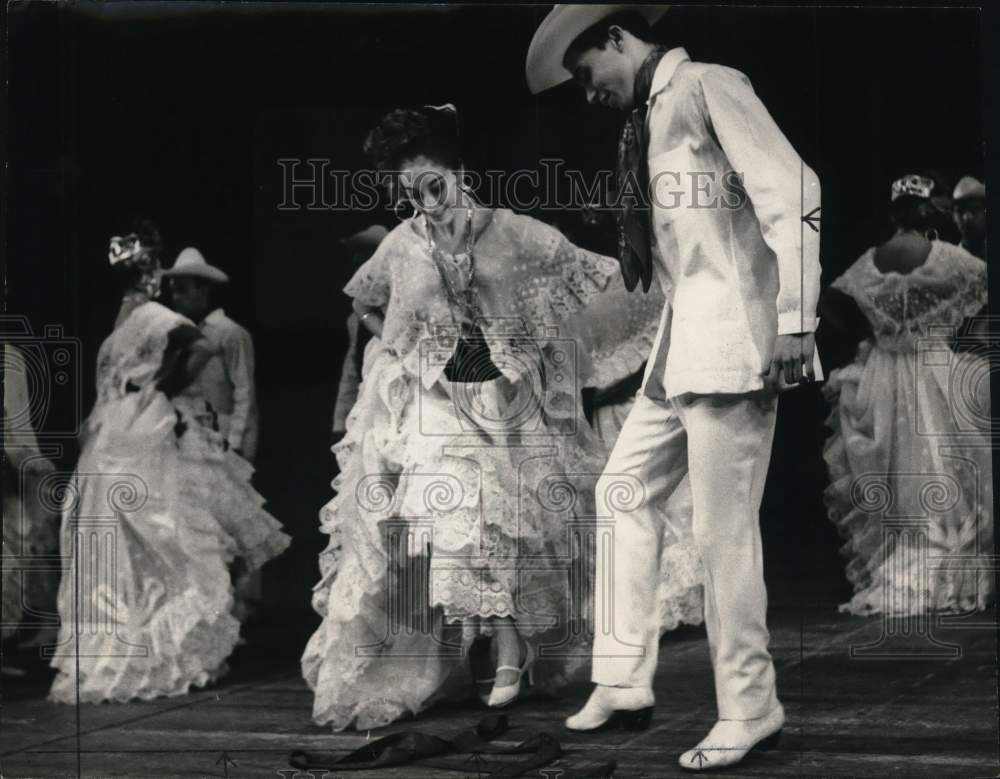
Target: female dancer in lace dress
[[30, 525], [158, 510], [464, 505], [910, 453]]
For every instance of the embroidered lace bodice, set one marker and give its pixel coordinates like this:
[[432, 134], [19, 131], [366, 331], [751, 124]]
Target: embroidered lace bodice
[[130, 357], [532, 286], [932, 299]]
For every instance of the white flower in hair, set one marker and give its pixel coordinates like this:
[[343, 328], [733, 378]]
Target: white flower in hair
[[124, 249], [918, 186]]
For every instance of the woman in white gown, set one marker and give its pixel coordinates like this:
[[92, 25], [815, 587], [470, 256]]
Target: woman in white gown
[[463, 524], [30, 524], [909, 459], [157, 511]]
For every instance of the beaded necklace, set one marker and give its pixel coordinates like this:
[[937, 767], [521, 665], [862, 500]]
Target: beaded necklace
[[466, 301]]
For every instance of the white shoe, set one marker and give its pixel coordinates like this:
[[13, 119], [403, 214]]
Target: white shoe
[[730, 740], [610, 707], [508, 693], [483, 696]]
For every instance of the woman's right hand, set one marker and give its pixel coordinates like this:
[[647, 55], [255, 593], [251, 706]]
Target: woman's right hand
[[374, 323], [369, 317]]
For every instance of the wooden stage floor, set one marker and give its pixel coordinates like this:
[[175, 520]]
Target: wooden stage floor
[[873, 716]]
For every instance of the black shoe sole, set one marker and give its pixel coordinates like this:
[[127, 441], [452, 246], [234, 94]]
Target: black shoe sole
[[633, 721], [764, 745]]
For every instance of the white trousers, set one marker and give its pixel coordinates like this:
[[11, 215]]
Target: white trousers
[[724, 443]]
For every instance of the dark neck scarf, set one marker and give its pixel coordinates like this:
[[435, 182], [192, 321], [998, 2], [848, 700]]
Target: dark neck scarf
[[634, 249]]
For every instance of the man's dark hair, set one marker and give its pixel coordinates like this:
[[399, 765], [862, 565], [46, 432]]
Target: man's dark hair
[[596, 36]]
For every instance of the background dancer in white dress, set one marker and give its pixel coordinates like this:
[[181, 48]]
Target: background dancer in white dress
[[899, 413], [158, 508]]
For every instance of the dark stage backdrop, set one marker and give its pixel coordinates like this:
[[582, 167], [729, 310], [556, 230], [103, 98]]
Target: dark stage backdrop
[[181, 112]]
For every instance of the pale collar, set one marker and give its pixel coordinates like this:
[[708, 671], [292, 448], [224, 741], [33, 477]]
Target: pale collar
[[665, 70], [215, 316]]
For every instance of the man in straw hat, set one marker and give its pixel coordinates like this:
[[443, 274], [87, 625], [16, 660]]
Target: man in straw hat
[[361, 246], [969, 210], [715, 197], [227, 381]]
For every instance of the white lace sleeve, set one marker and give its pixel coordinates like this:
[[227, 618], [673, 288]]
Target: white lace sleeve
[[133, 353], [371, 284], [972, 293], [552, 279], [584, 295], [576, 277]]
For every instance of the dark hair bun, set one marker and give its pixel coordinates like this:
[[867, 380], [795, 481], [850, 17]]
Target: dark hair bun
[[149, 235], [407, 133]]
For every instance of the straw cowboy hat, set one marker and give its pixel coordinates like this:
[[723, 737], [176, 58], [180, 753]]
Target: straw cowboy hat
[[969, 187], [544, 66], [368, 239], [190, 262]]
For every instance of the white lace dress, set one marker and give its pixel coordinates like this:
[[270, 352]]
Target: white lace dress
[[460, 502], [157, 511], [30, 521], [909, 459]]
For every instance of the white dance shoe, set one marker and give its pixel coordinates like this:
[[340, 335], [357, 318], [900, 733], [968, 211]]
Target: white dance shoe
[[612, 707], [730, 740], [508, 693], [476, 664]]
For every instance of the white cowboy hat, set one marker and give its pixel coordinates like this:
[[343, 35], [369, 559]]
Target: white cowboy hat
[[544, 66], [190, 262], [968, 187], [369, 238]]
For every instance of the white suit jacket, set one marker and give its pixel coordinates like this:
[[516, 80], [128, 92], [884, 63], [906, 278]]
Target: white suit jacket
[[227, 382], [736, 262]]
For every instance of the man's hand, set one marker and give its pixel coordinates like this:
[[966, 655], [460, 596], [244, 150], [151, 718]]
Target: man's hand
[[792, 361]]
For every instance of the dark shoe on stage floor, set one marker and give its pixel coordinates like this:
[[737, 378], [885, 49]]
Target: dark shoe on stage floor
[[729, 741], [613, 707]]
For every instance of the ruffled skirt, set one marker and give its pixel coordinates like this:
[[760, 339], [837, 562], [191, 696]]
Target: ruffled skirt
[[456, 504], [30, 541], [158, 510], [911, 481]]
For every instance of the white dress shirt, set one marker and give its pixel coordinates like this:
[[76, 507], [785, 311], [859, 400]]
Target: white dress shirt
[[227, 381], [737, 264]]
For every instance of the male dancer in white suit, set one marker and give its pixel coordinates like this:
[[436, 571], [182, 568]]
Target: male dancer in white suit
[[740, 271]]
